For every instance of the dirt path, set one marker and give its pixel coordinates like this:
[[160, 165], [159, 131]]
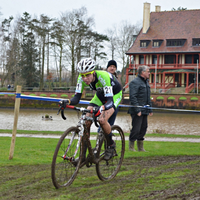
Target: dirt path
[[162, 139]]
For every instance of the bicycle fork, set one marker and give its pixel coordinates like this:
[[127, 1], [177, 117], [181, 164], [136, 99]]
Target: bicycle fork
[[69, 145]]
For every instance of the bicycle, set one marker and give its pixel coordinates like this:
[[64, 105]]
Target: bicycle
[[67, 158]]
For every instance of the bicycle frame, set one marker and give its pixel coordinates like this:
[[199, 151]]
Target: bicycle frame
[[83, 136]]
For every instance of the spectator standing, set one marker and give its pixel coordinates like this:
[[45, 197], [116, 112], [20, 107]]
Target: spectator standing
[[112, 67], [139, 95], [9, 86]]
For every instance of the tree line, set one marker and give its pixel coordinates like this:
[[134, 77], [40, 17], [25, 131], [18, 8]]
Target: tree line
[[32, 48]]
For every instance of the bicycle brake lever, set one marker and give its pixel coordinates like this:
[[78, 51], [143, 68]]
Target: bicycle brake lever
[[59, 110], [95, 121], [63, 115]]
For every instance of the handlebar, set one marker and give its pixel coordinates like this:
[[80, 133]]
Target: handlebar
[[83, 110]]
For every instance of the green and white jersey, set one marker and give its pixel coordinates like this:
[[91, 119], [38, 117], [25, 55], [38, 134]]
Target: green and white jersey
[[108, 89]]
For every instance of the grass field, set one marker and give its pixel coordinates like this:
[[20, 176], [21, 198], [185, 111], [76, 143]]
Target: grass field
[[168, 170]]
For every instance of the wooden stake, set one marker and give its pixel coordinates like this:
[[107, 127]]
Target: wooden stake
[[16, 114]]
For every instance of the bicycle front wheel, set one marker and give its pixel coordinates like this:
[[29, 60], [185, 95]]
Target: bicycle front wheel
[[107, 170], [63, 169]]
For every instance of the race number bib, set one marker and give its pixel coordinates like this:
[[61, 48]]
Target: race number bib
[[108, 92], [78, 88]]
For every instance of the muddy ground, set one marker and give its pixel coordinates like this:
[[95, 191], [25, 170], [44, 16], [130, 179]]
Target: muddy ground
[[34, 182]]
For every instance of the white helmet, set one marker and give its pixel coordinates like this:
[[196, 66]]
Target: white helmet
[[86, 65]]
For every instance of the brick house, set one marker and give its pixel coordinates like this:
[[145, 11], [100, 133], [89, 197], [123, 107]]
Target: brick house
[[169, 43]]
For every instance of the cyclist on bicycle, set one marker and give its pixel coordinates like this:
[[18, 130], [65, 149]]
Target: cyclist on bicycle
[[107, 98]]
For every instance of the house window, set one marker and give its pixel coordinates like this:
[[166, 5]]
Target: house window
[[175, 42], [154, 59], [196, 42], [144, 43], [191, 59], [141, 57], [170, 59], [157, 43], [196, 57]]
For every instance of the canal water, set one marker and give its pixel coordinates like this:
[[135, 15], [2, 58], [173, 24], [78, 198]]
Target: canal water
[[172, 123]]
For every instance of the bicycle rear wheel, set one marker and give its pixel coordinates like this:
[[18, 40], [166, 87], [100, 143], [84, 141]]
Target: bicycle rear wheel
[[63, 171], [107, 170]]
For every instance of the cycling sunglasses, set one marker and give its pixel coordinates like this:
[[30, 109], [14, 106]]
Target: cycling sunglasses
[[87, 74]]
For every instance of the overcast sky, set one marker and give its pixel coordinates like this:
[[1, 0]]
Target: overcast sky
[[106, 13]]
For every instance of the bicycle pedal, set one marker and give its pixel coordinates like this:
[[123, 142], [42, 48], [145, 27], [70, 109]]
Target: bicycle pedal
[[88, 164]]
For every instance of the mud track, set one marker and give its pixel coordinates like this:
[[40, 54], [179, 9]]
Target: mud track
[[34, 182]]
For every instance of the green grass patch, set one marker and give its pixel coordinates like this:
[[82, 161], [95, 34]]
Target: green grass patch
[[32, 94]]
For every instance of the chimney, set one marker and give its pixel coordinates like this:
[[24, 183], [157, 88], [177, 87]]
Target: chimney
[[146, 17], [157, 8]]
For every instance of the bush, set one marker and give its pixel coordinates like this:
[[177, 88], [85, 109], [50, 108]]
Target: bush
[[194, 99], [2, 95], [53, 95], [11, 95], [73, 95], [182, 98], [32, 94], [43, 95], [160, 98], [3, 89], [171, 98], [89, 95], [64, 96]]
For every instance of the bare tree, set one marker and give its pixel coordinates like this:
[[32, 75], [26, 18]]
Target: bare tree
[[6, 36], [111, 33], [76, 23], [58, 40], [121, 39]]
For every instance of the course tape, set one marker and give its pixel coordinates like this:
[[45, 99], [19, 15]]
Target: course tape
[[18, 95], [7, 93]]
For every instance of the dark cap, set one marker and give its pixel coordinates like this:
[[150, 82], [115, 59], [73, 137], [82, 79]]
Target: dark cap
[[112, 62]]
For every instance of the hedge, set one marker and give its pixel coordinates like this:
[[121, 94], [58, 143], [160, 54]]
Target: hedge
[[64, 96], [183, 98], [171, 98], [53, 95], [194, 99], [160, 98], [43, 95]]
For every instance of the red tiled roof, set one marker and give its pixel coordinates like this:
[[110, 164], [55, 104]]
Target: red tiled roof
[[170, 25]]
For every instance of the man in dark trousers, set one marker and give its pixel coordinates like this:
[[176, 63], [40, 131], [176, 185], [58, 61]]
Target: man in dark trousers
[[139, 96]]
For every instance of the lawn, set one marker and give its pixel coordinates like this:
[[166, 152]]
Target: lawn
[[168, 170]]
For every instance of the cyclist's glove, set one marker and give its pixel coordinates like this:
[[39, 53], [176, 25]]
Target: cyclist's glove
[[64, 103], [98, 110]]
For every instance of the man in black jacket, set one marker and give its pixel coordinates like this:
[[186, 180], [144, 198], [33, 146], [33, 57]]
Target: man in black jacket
[[139, 96]]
